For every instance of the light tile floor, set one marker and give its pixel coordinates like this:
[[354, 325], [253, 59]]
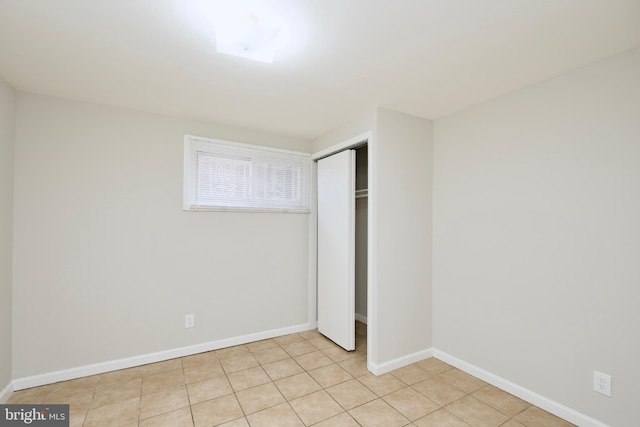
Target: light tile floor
[[300, 379]]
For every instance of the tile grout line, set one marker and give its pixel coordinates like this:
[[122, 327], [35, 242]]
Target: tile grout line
[[193, 421]]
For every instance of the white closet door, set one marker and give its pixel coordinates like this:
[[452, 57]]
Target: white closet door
[[336, 248]]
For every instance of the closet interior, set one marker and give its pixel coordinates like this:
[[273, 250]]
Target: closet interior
[[361, 233]]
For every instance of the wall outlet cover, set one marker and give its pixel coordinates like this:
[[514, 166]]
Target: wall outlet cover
[[602, 383], [189, 320]]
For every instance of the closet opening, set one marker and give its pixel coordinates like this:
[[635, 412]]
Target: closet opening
[[361, 244], [343, 244]]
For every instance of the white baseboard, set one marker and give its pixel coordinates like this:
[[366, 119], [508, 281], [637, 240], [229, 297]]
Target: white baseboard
[[532, 397], [129, 362], [361, 318], [400, 362], [6, 392]]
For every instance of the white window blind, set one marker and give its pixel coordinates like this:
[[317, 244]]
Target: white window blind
[[222, 175]]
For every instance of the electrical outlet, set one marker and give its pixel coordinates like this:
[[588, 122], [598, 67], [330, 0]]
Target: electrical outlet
[[189, 320], [602, 383]]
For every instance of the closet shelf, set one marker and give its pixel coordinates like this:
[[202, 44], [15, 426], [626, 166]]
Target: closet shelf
[[362, 193]]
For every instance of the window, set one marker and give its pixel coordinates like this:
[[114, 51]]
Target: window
[[223, 175]]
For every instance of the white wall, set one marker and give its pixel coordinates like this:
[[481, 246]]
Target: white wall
[[106, 261], [400, 152], [7, 121], [537, 237], [364, 123], [404, 171]]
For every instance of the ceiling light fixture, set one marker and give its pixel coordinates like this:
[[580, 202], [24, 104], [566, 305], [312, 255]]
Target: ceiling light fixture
[[260, 30], [247, 35]]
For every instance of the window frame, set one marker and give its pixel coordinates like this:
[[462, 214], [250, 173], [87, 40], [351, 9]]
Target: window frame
[[218, 147]]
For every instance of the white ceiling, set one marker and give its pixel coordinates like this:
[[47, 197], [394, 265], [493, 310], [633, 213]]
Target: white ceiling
[[427, 58]]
